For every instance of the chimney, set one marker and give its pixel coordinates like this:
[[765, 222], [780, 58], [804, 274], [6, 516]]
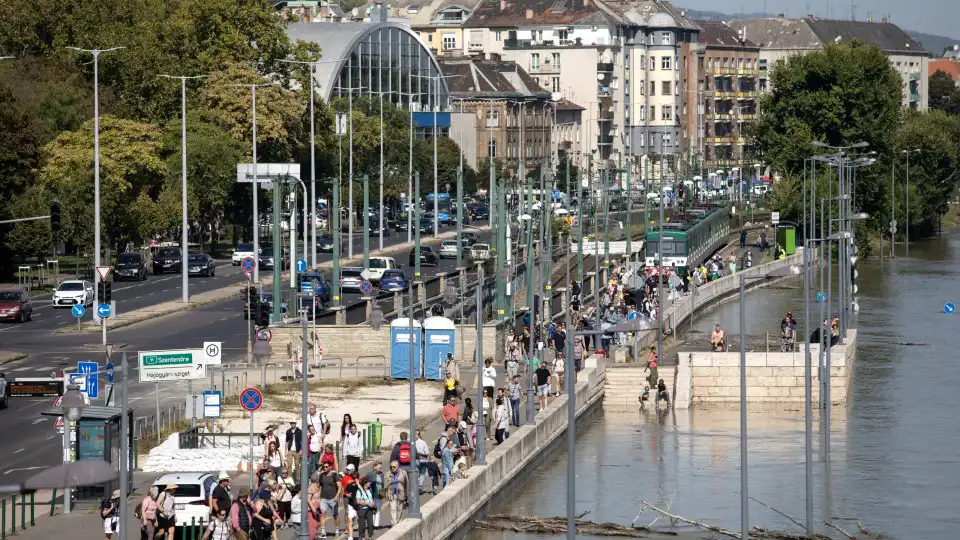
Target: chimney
[[780, 15], [379, 12], [529, 13], [884, 20]]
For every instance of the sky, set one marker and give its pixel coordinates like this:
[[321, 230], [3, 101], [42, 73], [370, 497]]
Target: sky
[[939, 17]]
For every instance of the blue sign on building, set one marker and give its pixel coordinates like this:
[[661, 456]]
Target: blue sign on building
[[425, 119]]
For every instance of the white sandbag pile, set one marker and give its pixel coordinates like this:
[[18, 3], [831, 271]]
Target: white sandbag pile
[[168, 457]]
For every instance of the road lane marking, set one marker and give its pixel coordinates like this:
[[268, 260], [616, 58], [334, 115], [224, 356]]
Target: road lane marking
[[18, 451], [52, 437]]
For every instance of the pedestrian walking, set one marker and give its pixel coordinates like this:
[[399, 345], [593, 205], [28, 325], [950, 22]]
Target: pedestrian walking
[[218, 529], [543, 384], [652, 366], [376, 479], [293, 439], [110, 514], [423, 456], [515, 393], [501, 419], [148, 513], [241, 517], [330, 493], [489, 378], [353, 447], [166, 511], [396, 491], [296, 510], [365, 507], [447, 459]]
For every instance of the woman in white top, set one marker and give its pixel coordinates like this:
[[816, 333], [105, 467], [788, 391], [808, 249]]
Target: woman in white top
[[296, 514], [219, 528], [500, 420], [314, 447], [275, 457], [558, 367], [489, 378]]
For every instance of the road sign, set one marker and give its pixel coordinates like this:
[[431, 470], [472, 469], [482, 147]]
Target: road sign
[[109, 347], [821, 296], [774, 217], [104, 271], [306, 287], [93, 378], [366, 274], [177, 365], [110, 371], [78, 310], [78, 379], [341, 123], [366, 287], [264, 334], [212, 403], [249, 274], [212, 352], [249, 264], [949, 307], [103, 311], [893, 227], [556, 194], [59, 423], [301, 265], [853, 259], [251, 399]]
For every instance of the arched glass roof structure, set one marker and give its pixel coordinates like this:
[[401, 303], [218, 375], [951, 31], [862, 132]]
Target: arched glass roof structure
[[370, 58]]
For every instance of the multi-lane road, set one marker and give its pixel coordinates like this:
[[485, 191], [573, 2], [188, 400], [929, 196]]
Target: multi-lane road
[[32, 441]]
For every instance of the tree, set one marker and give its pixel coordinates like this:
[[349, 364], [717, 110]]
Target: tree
[[934, 170], [30, 239], [131, 163], [19, 147], [944, 93]]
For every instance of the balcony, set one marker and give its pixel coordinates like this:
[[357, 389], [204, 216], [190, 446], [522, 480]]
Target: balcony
[[724, 94], [914, 96], [604, 67], [475, 47], [605, 140], [603, 91], [725, 71], [544, 69], [763, 73], [727, 139], [517, 43], [747, 94]]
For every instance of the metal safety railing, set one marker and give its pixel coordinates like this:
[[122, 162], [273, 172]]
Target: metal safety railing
[[21, 505]]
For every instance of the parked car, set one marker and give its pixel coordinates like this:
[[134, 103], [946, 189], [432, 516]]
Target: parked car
[[130, 266], [167, 259], [427, 256], [241, 252], [191, 496], [15, 305], [201, 264], [480, 252], [449, 249], [72, 292], [400, 224], [4, 396], [350, 278], [394, 281]]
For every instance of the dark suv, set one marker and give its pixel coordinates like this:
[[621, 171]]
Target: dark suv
[[131, 266], [167, 259]]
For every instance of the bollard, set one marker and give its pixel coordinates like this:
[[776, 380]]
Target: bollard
[[363, 437], [13, 514], [136, 460], [23, 513], [53, 501], [33, 517], [3, 519]]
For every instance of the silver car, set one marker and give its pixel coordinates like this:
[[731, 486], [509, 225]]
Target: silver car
[[449, 249], [351, 278]]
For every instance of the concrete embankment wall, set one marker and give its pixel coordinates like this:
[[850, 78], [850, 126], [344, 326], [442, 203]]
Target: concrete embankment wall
[[458, 504], [772, 377]]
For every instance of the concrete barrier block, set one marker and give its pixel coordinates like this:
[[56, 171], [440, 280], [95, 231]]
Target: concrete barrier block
[[755, 360], [705, 371], [724, 359], [700, 359], [784, 381], [780, 359]]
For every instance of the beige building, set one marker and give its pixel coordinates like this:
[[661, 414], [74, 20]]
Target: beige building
[[780, 37], [440, 25], [729, 72]]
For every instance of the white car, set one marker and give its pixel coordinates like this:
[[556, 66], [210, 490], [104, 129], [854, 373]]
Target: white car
[[379, 265], [243, 251], [449, 249], [72, 292], [191, 496]]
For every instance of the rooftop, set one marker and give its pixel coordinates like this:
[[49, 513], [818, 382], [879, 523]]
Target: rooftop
[[949, 67], [719, 34], [428, 11], [506, 13], [650, 13], [778, 33], [814, 33], [480, 78]]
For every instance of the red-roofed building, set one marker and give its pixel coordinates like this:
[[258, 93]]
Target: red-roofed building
[[950, 67]]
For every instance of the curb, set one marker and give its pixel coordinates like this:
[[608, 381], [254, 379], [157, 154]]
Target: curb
[[12, 357]]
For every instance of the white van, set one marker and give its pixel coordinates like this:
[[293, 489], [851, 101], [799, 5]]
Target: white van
[[378, 265]]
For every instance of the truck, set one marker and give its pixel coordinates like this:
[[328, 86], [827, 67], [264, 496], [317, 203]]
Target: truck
[[480, 252]]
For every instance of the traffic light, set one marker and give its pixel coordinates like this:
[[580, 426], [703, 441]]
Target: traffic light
[[55, 215], [104, 292]]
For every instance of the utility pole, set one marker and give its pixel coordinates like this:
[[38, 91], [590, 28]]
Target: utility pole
[[366, 221]]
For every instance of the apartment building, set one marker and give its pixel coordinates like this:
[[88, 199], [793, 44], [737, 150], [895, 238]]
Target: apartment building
[[728, 67], [440, 25], [780, 37]]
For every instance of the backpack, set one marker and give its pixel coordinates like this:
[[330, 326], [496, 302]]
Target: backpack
[[404, 453], [138, 511], [438, 448]]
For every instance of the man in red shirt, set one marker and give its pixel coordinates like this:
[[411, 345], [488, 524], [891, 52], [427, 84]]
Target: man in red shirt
[[451, 412]]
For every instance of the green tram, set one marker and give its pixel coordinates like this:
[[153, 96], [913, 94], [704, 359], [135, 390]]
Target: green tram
[[690, 239]]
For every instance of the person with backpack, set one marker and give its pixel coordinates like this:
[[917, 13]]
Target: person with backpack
[[218, 529], [110, 513], [402, 451], [376, 479], [166, 511]]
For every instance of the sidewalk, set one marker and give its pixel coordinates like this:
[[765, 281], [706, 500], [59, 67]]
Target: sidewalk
[[175, 306]]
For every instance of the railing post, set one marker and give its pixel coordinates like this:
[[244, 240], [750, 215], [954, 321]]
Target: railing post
[[33, 516], [53, 501], [3, 519], [23, 512], [13, 512]]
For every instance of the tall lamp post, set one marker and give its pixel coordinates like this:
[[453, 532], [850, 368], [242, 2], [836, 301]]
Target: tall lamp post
[[96, 155], [906, 189], [71, 408], [184, 274]]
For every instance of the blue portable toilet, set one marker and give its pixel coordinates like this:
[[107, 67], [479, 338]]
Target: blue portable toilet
[[400, 348], [439, 340]]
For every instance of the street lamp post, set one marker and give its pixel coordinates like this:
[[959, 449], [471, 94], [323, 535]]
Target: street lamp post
[[184, 274], [906, 224], [96, 156], [71, 408]]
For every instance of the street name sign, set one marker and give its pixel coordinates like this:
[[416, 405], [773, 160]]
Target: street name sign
[[178, 365]]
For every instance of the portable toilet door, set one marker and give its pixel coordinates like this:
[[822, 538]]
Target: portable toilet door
[[787, 236], [439, 340], [400, 341]]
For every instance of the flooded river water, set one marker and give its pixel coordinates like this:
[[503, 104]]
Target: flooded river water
[[894, 458]]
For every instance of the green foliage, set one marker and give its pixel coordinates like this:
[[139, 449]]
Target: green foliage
[[934, 170], [30, 239], [944, 94]]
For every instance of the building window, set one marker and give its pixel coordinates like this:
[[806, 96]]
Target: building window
[[492, 149], [562, 34], [653, 114], [555, 84], [429, 38], [493, 118], [449, 41], [665, 38], [700, 62], [653, 88], [643, 89], [667, 112], [555, 60], [535, 61], [665, 88], [642, 113], [665, 63], [666, 140], [497, 36], [653, 63], [640, 140]]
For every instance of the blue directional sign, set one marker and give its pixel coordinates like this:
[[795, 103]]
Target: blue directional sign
[[109, 368], [93, 378], [78, 310], [248, 264], [821, 296], [103, 310], [251, 399], [301, 265], [555, 194], [306, 287], [949, 307]]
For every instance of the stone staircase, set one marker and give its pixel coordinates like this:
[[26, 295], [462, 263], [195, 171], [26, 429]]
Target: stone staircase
[[625, 382]]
